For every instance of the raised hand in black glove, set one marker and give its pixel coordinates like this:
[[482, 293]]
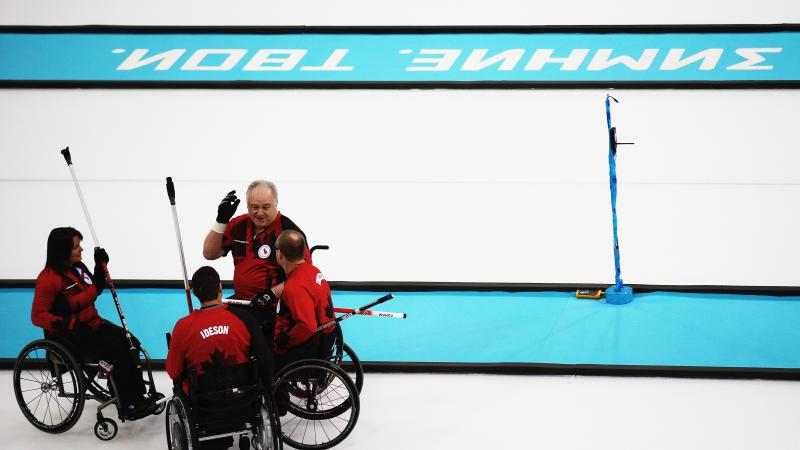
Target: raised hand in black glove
[[100, 256], [264, 299], [227, 207], [99, 275]]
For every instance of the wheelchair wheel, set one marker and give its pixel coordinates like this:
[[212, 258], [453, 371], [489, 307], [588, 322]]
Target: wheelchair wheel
[[349, 356], [344, 356], [267, 434], [105, 429], [180, 425], [49, 386], [322, 407]]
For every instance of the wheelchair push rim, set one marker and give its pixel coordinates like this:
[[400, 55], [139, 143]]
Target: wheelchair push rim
[[267, 435], [49, 386], [344, 357], [180, 426]]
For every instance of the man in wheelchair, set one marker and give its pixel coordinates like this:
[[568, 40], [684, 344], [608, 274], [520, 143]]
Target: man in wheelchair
[[305, 305], [210, 360]]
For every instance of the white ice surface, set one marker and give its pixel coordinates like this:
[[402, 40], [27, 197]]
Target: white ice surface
[[424, 411]]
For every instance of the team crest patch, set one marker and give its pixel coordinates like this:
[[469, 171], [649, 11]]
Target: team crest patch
[[320, 277], [264, 251]]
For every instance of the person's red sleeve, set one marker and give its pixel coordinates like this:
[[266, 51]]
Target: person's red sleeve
[[43, 296], [176, 353], [301, 305]]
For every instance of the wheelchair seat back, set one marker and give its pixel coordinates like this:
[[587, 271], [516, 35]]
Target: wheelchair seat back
[[225, 397]]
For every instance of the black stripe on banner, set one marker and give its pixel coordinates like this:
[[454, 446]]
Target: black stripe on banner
[[551, 369], [399, 85], [428, 29], [413, 286]]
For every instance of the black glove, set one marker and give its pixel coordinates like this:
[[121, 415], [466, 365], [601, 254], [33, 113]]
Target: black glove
[[100, 256], [264, 299], [227, 207]]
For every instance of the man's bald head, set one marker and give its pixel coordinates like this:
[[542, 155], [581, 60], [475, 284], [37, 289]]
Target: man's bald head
[[293, 246]]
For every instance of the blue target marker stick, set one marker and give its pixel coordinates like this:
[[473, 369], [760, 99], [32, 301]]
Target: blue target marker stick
[[618, 293]]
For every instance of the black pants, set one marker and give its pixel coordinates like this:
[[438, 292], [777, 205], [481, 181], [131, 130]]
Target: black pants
[[312, 350], [109, 343], [307, 351]]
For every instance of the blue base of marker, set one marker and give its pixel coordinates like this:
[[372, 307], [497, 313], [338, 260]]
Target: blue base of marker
[[619, 295]]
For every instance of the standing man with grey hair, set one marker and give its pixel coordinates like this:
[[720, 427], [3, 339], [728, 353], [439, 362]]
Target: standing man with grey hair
[[251, 238]]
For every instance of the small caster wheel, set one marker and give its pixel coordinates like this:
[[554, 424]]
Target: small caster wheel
[[161, 406], [105, 429]]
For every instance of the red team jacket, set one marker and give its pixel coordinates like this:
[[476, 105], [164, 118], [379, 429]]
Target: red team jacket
[[67, 298], [216, 336], [255, 267], [305, 305]]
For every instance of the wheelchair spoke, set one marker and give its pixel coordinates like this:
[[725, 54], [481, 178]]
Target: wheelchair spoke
[[314, 427], [334, 425], [48, 410], [326, 433], [53, 407], [34, 398], [32, 389], [55, 399], [305, 430], [60, 408], [331, 401], [295, 427], [35, 380]]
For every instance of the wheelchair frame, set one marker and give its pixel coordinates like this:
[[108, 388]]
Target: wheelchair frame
[[261, 428], [321, 396], [59, 359]]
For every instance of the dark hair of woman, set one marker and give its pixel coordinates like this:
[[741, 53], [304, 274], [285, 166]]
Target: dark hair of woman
[[59, 248]]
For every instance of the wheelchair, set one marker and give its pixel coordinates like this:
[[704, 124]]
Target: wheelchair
[[52, 382], [321, 400], [223, 403], [321, 405]]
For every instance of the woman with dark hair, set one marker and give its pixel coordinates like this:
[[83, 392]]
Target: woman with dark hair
[[63, 305]]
